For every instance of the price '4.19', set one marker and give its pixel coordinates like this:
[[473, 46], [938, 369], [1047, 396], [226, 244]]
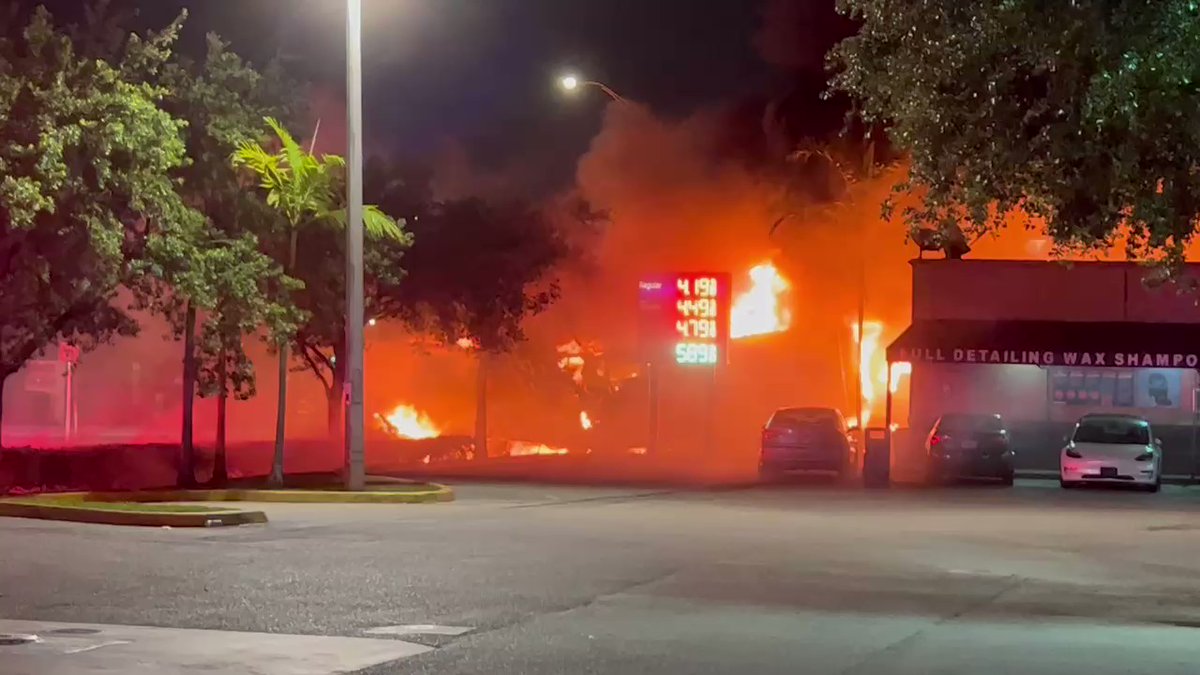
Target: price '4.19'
[[700, 287]]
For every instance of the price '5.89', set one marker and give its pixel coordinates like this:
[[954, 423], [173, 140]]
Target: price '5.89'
[[695, 353]]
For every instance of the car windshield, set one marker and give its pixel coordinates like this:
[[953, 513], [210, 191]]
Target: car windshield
[[1115, 430], [793, 417], [960, 423]]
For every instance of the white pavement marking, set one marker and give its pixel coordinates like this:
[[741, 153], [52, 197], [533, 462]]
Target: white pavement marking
[[419, 629], [88, 649]]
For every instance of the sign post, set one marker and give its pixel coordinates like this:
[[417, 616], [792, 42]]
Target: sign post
[[68, 355], [685, 322]]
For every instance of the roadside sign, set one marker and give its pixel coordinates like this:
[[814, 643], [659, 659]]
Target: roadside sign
[[685, 317], [44, 377], [68, 353]]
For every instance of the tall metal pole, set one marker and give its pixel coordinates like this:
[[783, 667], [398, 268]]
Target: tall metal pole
[[862, 316], [868, 165], [355, 472]]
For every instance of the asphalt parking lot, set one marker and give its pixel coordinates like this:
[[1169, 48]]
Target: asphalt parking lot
[[539, 579]]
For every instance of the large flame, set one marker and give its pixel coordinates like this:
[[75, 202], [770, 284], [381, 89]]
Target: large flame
[[406, 421], [570, 360], [867, 346], [759, 311], [522, 449], [873, 372]]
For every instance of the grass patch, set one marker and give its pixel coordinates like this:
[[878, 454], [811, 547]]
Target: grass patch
[[139, 507]]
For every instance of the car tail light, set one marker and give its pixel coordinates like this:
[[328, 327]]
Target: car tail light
[[1072, 452], [935, 440], [1145, 456], [772, 435]]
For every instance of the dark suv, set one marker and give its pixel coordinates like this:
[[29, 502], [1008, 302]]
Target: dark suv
[[806, 439], [969, 446]]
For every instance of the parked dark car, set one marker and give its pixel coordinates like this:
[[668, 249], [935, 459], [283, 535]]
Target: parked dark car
[[807, 439], [969, 446]]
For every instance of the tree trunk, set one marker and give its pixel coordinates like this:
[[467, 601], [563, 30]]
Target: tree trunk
[[220, 475], [481, 431], [333, 412], [187, 460], [276, 478], [3, 380], [335, 395]]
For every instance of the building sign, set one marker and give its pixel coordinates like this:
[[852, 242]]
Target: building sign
[[1094, 359], [685, 317]]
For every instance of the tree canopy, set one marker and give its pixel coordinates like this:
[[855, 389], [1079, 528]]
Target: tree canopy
[[86, 190], [1084, 115], [477, 269], [308, 191]]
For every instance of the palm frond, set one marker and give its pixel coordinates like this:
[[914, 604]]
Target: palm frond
[[379, 225], [291, 149], [376, 223], [266, 166]]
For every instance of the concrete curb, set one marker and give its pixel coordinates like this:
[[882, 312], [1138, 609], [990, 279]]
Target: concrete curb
[[436, 493], [46, 508]]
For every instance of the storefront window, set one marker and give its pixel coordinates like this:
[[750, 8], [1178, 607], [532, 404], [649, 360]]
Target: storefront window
[[1123, 394], [1116, 388], [1077, 387]]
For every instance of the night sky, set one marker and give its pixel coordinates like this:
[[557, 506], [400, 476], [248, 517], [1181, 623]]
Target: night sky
[[482, 72]]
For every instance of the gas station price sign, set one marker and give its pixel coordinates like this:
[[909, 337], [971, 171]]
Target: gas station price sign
[[686, 315]]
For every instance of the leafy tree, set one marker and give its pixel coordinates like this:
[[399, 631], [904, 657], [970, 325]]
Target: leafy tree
[[247, 302], [476, 271], [223, 100], [320, 343], [217, 280], [306, 190], [1084, 115], [85, 192]]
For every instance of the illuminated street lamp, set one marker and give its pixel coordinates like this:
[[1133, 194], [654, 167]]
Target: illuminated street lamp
[[571, 83]]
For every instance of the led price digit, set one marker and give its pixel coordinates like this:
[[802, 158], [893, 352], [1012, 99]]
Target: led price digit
[[706, 287], [690, 353], [703, 308], [704, 329]]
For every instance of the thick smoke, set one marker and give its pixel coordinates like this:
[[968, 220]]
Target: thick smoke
[[677, 202]]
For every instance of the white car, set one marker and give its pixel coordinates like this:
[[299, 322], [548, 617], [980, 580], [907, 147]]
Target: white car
[[1118, 449]]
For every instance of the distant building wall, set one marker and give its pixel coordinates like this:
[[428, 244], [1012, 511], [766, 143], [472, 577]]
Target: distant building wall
[[1041, 403], [1045, 291]]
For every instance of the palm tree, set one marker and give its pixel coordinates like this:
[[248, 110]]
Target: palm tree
[[305, 189]]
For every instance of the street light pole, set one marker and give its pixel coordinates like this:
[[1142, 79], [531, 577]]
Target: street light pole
[[572, 83], [607, 90], [355, 472]]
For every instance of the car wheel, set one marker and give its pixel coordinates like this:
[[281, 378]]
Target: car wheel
[[1067, 484], [1007, 479], [1155, 486]]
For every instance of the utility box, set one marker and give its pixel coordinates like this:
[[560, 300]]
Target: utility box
[[877, 457]]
